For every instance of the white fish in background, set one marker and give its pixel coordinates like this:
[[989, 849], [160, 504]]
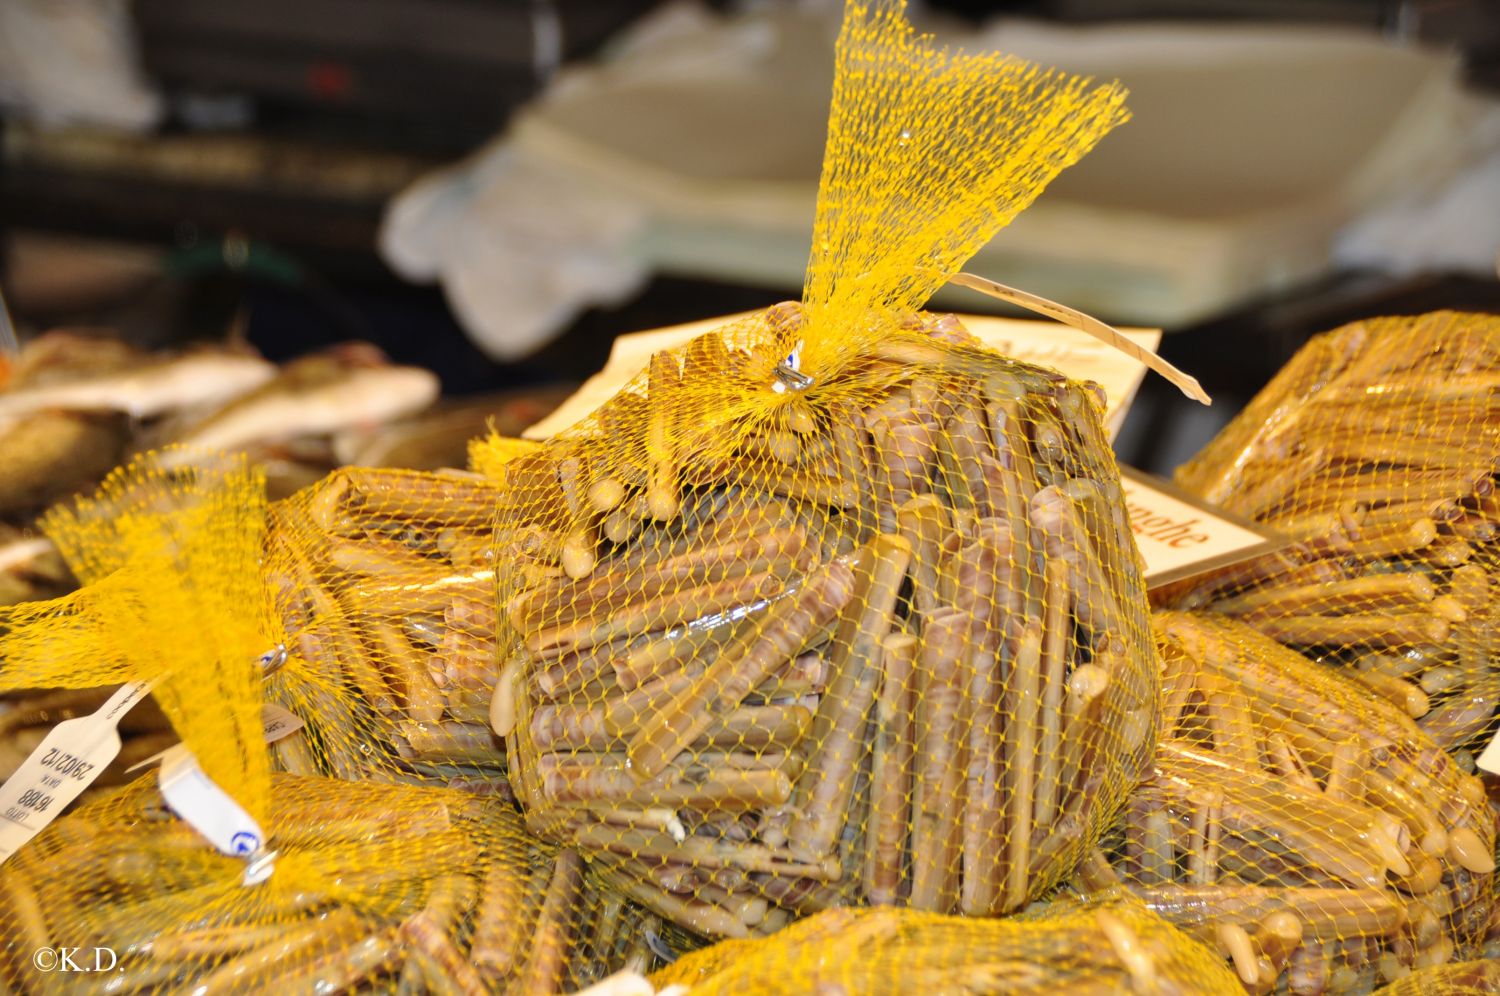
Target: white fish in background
[[341, 388], [19, 553], [30, 568], [188, 381]]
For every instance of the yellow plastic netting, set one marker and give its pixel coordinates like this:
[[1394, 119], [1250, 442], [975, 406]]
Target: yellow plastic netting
[[421, 889], [1468, 978], [835, 605], [1107, 947], [1299, 823], [1375, 450], [489, 455], [929, 154], [814, 667], [170, 564]]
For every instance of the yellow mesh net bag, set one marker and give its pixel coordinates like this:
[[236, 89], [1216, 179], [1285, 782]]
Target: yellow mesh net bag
[[834, 605], [1106, 947], [1299, 823], [1375, 450], [1467, 978], [370, 885], [135, 544], [374, 885], [384, 583]]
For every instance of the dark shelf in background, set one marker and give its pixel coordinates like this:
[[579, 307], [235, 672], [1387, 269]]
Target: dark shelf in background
[[431, 75]]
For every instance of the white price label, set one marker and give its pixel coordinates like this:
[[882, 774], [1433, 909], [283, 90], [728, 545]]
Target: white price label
[[68, 761], [1180, 536], [278, 722], [1489, 760]]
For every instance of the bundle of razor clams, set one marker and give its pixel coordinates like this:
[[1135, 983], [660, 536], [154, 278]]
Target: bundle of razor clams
[[886, 645], [1375, 451], [1303, 826]]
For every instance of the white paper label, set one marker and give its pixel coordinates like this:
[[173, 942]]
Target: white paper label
[[278, 722], [206, 807], [1489, 759], [1067, 350], [68, 761], [1180, 536]]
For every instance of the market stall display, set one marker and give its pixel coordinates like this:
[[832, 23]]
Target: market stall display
[[1375, 450], [439, 438], [1298, 822], [76, 403], [818, 658]]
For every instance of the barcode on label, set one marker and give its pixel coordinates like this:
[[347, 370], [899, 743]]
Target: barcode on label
[[68, 761], [277, 722]]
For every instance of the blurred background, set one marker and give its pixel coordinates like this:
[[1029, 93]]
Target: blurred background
[[495, 189]]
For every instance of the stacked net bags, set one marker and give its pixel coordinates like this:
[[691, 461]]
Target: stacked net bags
[[1375, 450], [1106, 947], [1301, 825], [352, 884], [834, 605]]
